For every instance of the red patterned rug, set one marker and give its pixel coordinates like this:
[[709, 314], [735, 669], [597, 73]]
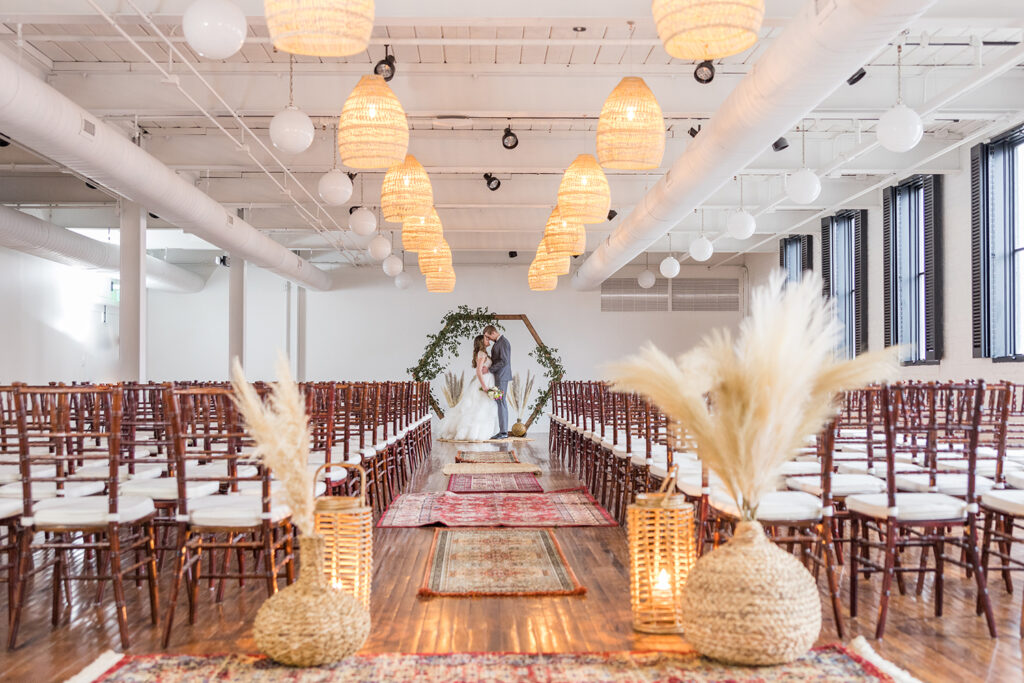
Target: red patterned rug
[[498, 562], [563, 508], [486, 456], [829, 664], [494, 483]]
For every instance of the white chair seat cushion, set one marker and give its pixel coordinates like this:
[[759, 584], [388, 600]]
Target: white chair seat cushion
[[48, 489], [986, 468], [950, 484], [775, 506], [167, 488], [255, 488], [1007, 501], [9, 507], [1015, 454], [330, 474], [878, 468], [232, 510], [142, 471], [89, 511], [12, 472], [1015, 479], [842, 484], [800, 467], [218, 469], [909, 506], [689, 483]]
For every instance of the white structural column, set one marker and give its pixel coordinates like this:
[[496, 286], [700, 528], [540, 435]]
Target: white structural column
[[300, 334], [236, 311], [132, 316]]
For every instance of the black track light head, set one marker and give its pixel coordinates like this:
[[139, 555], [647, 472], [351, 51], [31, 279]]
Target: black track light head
[[705, 72], [352, 209], [612, 213], [492, 182], [513, 254], [90, 185], [4, 142], [509, 140], [780, 144], [385, 68], [857, 75], [693, 131], [154, 216]]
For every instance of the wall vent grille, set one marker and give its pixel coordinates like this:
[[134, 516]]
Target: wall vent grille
[[706, 294], [623, 294]]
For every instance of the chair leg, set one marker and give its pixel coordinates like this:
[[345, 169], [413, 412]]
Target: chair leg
[[971, 537], [831, 571], [117, 578], [854, 558], [176, 586], [890, 564], [152, 574]]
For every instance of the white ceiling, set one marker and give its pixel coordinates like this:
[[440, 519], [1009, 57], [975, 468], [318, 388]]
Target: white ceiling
[[465, 71]]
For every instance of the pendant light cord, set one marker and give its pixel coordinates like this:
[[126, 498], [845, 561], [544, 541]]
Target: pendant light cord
[[740, 178], [899, 74], [291, 80], [803, 144]]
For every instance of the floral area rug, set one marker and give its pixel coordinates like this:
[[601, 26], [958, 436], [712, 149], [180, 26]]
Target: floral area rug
[[489, 468], [829, 664], [494, 483], [498, 562], [562, 508], [489, 457]]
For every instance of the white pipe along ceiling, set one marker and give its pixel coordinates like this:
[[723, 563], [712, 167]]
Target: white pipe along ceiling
[[818, 50], [41, 118], [20, 231]]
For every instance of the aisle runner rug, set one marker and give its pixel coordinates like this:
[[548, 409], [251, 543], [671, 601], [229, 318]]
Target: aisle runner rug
[[489, 468], [828, 664], [494, 483], [490, 457], [499, 562], [562, 508]]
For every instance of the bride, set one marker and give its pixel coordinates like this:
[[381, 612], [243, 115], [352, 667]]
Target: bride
[[474, 417]]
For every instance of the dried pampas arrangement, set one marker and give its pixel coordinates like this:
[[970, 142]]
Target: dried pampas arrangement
[[519, 394], [280, 428], [454, 385], [749, 403]]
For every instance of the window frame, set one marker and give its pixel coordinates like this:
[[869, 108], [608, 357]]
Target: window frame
[[857, 337], [803, 246]]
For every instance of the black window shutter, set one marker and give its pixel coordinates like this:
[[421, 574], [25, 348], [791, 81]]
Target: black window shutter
[[979, 251], [933, 331], [860, 285], [782, 253], [806, 253], [826, 257], [888, 264]]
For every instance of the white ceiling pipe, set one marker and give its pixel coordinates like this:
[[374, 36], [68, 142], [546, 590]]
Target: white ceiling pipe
[[20, 231], [816, 53], [41, 118]]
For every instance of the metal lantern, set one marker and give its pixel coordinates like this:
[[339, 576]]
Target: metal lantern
[[662, 551], [346, 525]]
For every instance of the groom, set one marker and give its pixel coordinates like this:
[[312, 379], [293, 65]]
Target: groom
[[501, 368]]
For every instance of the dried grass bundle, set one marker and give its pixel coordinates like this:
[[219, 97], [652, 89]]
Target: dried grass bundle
[[519, 394], [454, 385], [280, 428], [750, 403]]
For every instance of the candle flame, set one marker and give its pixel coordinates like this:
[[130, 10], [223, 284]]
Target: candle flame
[[662, 583]]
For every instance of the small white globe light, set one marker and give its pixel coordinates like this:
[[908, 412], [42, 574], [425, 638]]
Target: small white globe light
[[362, 221], [379, 248], [392, 265], [646, 279], [701, 249], [403, 280], [803, 187], [899, 129], [291, 130], [215, 29], [740, 225], [669, 267], [335, 187]]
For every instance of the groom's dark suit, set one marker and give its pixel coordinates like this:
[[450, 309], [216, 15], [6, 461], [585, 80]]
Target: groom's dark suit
[[501, 368]]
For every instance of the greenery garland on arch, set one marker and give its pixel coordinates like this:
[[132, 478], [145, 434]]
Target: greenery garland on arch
[[547, 357]]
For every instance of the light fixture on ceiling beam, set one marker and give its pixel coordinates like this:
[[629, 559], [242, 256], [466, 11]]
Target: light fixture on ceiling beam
[[385, 68], [612, 213], [857, 76], [704, 73], [509, 140], [492, 182], [4, 142], [780, 144], [693, 131]]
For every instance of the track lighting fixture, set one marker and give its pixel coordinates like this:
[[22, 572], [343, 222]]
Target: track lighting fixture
[[513, 254], [693, 131], [385, 68], [780, 144], [509, 140], [90, 185], [4, 142], [492, 182], [857, 75], [705, 72], [612, 213], [154, 216]]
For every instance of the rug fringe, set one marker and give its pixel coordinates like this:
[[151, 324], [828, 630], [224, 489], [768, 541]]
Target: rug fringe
[[861, 646], [97, 668]]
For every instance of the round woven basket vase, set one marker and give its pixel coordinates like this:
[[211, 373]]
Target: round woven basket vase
[[518, 430], [750, 602], [310, 623]]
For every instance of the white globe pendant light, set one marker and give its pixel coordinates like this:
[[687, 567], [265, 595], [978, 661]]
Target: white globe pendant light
[[334, 187], [701, 249], [403, 280], [379, 248], [900, 128], [646, 279], [741, 223], [362, 221], [291, 130], [804, 186], [393, 265], [669, 266], [215, 29]]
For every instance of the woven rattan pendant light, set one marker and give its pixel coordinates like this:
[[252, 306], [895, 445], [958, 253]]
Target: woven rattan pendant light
[[435, 258], [539, 279], [372, 131], [406, 192], [420, 233], [584, 195], [580, 246], [561, 235], [441, 281], [707, 29], [556, 263], [631, 130], [321, 28]]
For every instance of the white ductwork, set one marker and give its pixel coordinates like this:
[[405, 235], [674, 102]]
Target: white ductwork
[[35, 236], [41, 118], [818, 50]]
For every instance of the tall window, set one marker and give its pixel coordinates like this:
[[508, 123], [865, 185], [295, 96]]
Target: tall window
[[844, 276], [912, 268], [796, 256], [997, 247]]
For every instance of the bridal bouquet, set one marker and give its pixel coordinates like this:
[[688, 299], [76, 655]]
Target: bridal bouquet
[[495, 393]]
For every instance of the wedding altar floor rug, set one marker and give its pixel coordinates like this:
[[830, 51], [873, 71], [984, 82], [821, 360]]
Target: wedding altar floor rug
[[575, 507], [495, 483], [489, 468], [508, 439], [828, 664], [486, 456], [497, 562]]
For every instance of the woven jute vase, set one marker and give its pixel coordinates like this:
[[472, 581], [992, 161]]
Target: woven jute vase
[[749, 602], [518, 429], [310, 623]]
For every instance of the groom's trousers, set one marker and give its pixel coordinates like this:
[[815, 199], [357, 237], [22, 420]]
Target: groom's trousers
[[503, 407]]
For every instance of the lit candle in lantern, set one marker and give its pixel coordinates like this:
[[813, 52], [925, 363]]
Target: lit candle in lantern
[[662, 588]]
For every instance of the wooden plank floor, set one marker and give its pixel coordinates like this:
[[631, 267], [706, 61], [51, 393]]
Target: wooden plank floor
[[955, 647]]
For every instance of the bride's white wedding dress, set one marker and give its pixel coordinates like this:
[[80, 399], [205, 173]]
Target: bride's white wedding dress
[[475, 417]]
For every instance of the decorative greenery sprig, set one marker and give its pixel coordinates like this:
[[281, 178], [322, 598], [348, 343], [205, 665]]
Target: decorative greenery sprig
[[548, 359]]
